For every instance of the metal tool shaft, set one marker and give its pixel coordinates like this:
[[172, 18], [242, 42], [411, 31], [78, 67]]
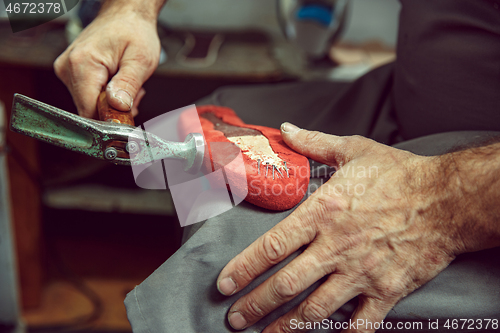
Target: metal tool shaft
[[101, 139]]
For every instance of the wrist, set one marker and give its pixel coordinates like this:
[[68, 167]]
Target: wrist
[[147, 10], [471, 181], [434, 204]]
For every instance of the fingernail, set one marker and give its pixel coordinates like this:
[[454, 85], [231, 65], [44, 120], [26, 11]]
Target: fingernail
[[289, 128], [237, 321], [124, 97], [227, 286]]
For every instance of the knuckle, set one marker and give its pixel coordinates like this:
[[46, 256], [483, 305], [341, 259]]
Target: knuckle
[[286, 285], [370, 262], [254, 309], [245, 270], [283, 327], [356, 139], [326, 207], [274, 247], [351, 242], [332, 153], [145, 61], [76, 57], [360, 143], [313, 136], [130, 81], [391, 288], [149, 61], [328, 204], [314, 311], [59, 64]]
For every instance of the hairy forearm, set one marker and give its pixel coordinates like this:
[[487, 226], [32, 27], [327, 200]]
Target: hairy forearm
[[473, 175], [148, 9]]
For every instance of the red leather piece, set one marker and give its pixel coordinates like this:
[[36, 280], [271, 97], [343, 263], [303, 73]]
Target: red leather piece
[[282, 193]]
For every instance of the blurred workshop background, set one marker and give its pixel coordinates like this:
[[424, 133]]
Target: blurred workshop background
[[76, 233]]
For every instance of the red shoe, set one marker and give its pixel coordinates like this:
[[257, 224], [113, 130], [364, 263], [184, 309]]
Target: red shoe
[[277, 177]]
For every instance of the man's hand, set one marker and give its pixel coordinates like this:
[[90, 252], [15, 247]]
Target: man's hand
[[386, 223], [122, 43]]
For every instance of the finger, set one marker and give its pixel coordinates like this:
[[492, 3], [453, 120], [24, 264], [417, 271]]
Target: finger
[[369, 314], [283, 286], [86, 79], [271, 248], [60, 69], [124, 87], [137, 101], [337, 290], [325, 148]]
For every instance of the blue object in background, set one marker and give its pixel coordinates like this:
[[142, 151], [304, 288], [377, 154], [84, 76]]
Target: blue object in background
[[317, 13]]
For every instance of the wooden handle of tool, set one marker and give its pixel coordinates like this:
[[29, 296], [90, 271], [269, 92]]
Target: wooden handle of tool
[[107, 113]]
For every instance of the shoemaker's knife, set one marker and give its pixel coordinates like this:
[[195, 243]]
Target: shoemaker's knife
[[113, 138]]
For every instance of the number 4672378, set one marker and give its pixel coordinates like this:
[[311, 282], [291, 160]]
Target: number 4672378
[[33, 8]]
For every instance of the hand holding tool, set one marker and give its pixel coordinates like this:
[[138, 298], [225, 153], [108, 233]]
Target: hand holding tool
[[115, 140]]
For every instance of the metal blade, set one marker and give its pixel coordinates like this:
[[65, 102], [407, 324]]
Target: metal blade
[[99, 139]]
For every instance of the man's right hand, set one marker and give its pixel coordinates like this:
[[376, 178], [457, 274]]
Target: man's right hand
[[122, 44]]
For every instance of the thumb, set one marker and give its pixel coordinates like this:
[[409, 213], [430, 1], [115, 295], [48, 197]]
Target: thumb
[[324, 148], [124, 87]]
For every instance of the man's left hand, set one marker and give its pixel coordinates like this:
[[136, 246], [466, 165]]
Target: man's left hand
[[378, 229]]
